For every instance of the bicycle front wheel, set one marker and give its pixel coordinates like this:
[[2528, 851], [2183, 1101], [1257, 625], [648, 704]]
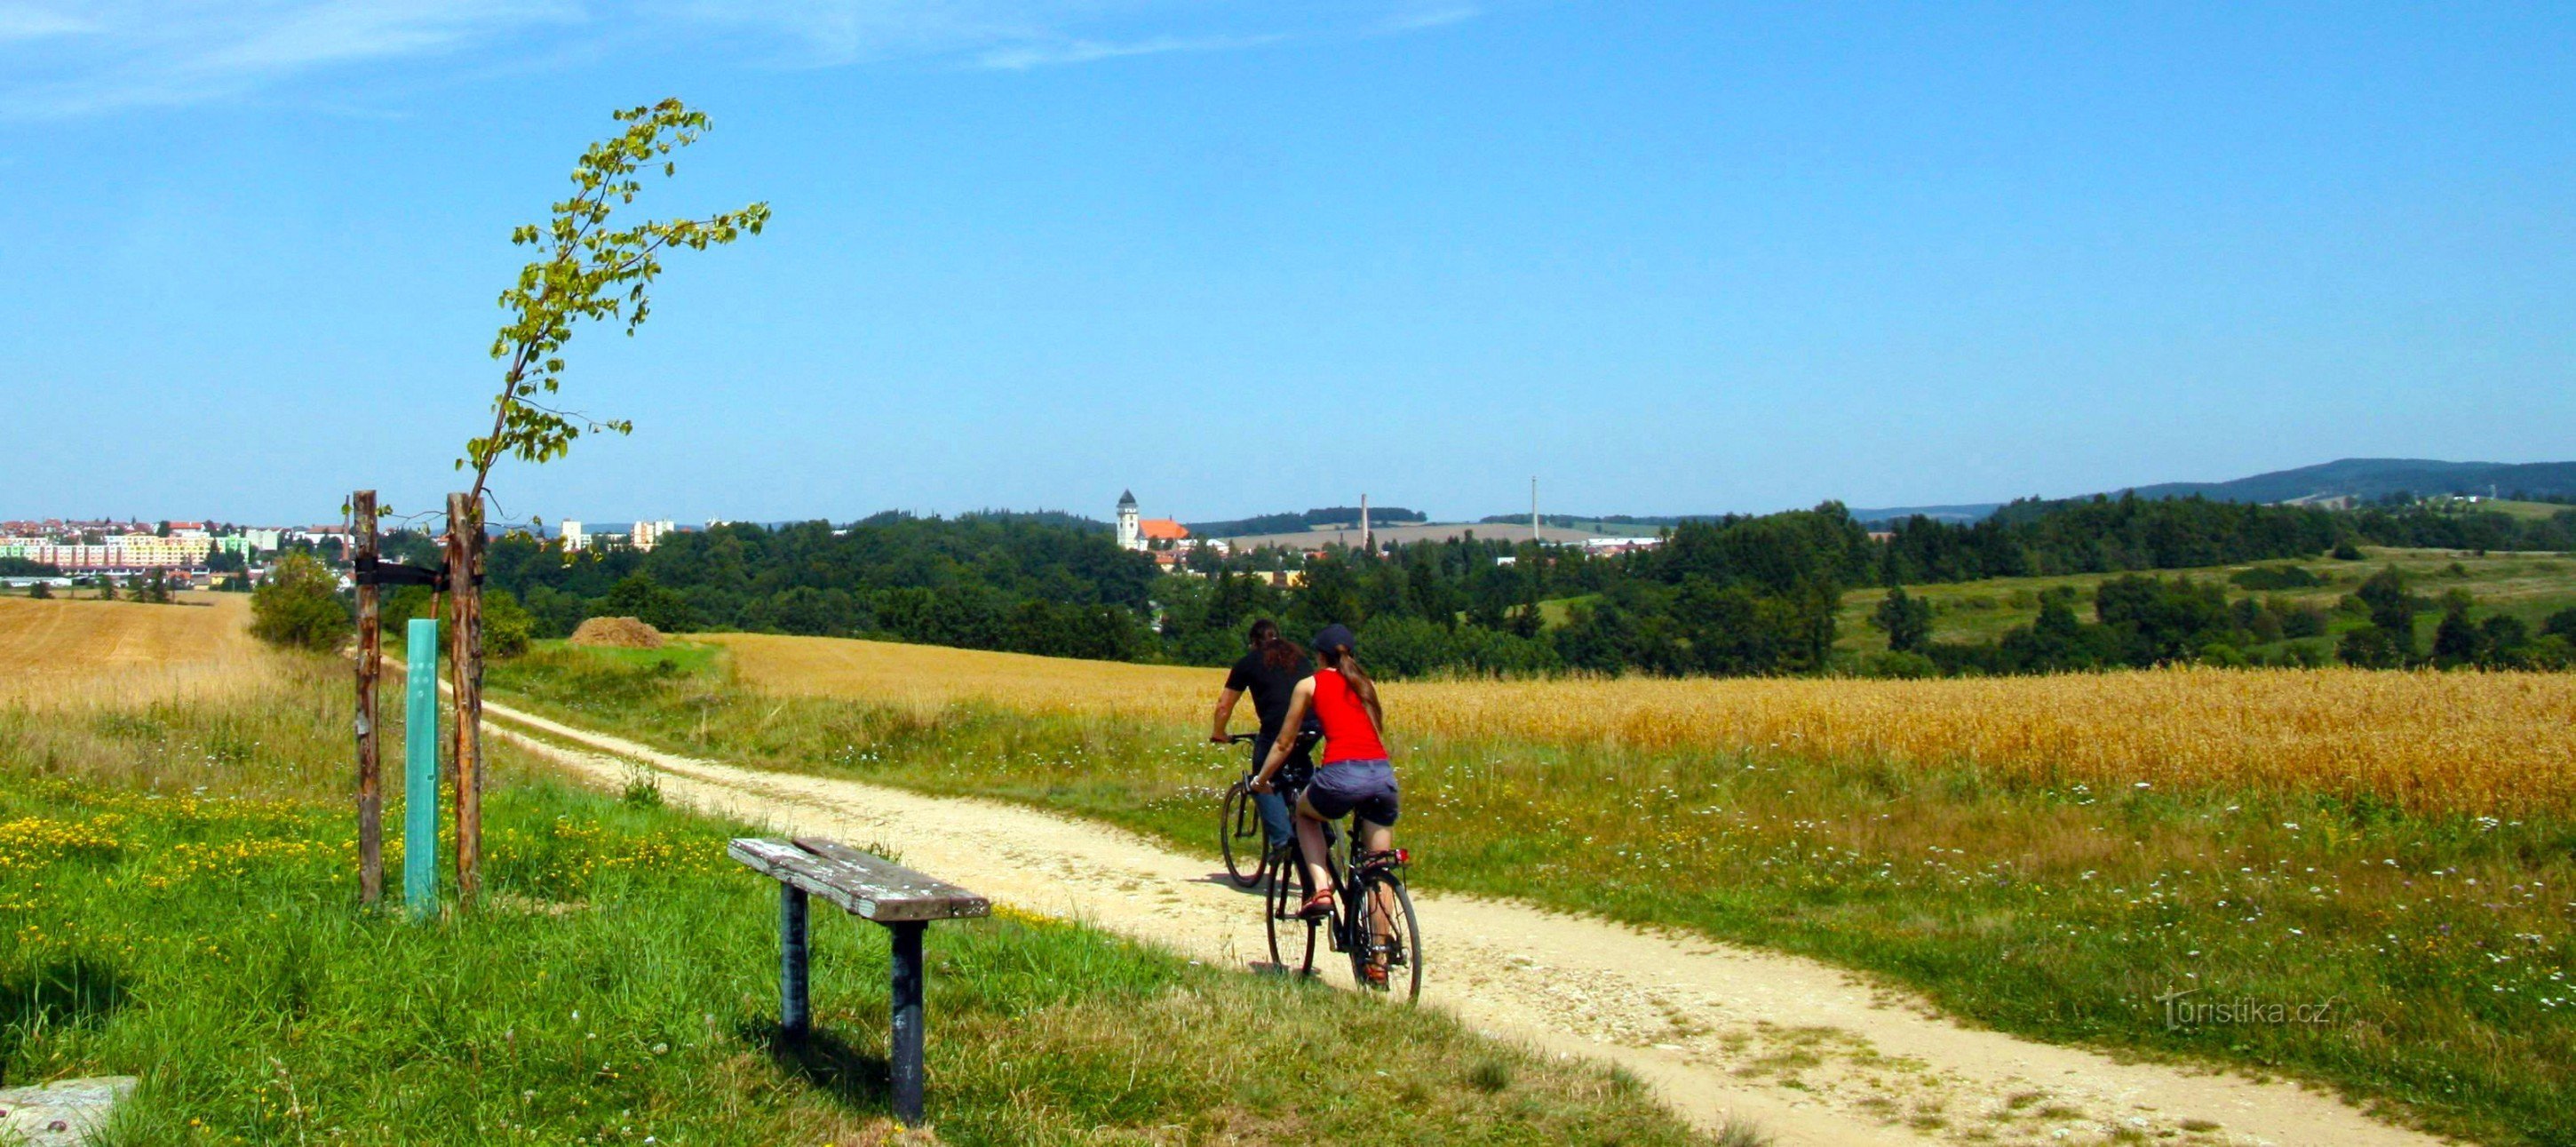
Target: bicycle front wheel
[[1388, 940], [1239, 836], [1290, 934]]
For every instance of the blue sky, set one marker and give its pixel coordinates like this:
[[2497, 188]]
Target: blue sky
[[1245, 257]]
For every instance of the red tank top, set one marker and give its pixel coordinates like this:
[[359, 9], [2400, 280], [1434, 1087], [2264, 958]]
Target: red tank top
[[1349, 735]]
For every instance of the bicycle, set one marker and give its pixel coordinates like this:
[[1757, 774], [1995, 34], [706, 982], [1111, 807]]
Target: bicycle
[[1239, 820], [1372, 918]]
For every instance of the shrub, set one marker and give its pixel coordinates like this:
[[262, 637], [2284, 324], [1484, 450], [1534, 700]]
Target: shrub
[[507, 628], [2276, 577], [1899, 665], [299, 606]]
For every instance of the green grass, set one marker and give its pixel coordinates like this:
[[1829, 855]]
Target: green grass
[[2527, 586], [2445, 943], [178, 897]]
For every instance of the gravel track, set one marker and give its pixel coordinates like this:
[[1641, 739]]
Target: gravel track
[[1810, 1053]]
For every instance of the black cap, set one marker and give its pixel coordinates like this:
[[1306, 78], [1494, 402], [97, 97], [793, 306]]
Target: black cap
[[1336, 636]]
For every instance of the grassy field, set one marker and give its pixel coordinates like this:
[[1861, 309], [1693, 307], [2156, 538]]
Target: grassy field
[[178, 897], [2331, 837], [2527, 586]]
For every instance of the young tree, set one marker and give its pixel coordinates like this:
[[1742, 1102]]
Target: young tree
[[591, 269]]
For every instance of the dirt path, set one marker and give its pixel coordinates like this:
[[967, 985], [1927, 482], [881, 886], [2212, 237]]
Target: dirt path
[[1810, 1053]]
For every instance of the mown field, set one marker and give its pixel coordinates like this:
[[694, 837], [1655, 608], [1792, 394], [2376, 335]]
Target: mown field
[[141, 653], [2048, 856], [178, 899]]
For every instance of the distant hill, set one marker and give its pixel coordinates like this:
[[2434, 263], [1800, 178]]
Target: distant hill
[[2378, 477], [2361, 479], [1289, 523], [1964, 512]]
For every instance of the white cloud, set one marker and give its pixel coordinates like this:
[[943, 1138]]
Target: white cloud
[[71, 57]]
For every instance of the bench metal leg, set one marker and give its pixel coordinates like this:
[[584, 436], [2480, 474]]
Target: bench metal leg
[[907, 1020], [795, 1011]]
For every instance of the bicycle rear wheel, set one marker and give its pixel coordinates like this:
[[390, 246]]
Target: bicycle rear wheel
[[1290, 934], [1240, 837], [1389, 937]]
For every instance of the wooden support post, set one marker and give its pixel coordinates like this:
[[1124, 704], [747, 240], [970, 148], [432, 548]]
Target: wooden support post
[[465, 651], [795, 1005], [907, 1020], [371, 667], [420, 769]]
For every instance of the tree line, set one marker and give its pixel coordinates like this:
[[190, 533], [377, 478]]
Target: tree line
[[1732, 595], [2142, 621], [2033, 538]]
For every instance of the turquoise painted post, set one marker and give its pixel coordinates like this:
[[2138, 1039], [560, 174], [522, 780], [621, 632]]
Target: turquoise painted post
[[420, 768]]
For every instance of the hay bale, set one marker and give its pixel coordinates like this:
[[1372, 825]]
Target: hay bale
[[617, 633]]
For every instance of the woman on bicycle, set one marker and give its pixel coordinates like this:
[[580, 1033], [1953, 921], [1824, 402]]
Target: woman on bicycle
[[1354, 776], [1271, 672]]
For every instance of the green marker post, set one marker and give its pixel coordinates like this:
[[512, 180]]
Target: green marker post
[[420, 768]]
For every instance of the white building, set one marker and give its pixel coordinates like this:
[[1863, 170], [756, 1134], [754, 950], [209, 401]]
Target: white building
[[1141, 533], [650, 534], [573, 538]]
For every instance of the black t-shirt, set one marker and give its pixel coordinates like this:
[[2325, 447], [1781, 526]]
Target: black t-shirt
[[1270, 688]]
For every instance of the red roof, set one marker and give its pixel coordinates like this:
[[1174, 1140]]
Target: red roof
[[1162, 530]]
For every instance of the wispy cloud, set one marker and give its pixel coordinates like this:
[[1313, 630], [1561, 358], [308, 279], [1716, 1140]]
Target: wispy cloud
[[137, 54], [28, 22], [1023, 56], [74, 57], [1429, 16]]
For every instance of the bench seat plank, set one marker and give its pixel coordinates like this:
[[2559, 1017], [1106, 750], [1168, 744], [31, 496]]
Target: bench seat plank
[[862, 884]]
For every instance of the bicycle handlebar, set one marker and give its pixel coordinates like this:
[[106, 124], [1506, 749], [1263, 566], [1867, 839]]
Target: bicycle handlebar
[[1303, 737]]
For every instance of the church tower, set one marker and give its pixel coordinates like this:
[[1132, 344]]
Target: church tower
[[1130, 535]]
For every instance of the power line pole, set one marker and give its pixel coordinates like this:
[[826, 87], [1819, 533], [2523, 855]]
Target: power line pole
[[1533, 509], [1367, 541]]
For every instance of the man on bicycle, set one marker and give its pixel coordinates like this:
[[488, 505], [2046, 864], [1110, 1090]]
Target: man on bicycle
[[1270, 672]]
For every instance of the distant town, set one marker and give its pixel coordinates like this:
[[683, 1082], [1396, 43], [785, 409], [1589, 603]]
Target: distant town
[[205, 555], [227, 555]]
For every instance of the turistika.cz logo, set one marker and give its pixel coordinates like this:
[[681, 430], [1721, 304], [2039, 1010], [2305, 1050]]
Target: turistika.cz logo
[[2181, 1011]]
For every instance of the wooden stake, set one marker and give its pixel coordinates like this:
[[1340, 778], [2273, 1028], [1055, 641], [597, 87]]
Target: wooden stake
[[371, 663], [465, 652]]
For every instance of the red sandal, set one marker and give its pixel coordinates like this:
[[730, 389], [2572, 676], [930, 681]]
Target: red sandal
[[1318, 906]]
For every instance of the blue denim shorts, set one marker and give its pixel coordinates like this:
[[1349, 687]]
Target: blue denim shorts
[[1366, 788]]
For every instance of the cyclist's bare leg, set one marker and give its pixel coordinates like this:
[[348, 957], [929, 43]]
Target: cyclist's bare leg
[[1375, 837], [1310, 844]]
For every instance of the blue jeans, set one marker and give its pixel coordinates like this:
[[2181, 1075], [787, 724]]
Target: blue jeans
[[1281, 830], [1274, 819], [1274, 807]]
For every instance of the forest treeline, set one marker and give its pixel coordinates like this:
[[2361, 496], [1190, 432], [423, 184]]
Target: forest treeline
[[1732, 595]]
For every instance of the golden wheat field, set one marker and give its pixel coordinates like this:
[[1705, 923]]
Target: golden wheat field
[[124, 652], [2473, 742]]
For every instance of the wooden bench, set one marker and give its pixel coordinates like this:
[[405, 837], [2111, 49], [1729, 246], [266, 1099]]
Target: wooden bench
[[897, 897]]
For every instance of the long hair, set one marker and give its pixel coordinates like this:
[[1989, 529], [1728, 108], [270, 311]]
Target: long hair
[[1276, 652], [1341, 658]]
